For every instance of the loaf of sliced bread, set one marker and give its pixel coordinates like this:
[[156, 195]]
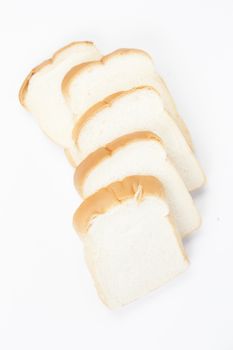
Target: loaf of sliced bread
[[124, 69], [138, 109], [41, 91], [131, 246], [140, 153]]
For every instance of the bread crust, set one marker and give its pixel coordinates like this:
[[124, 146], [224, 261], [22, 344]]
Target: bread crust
[[74, 71], [101, 105], [24, 86], [114, 194], [87, 165]]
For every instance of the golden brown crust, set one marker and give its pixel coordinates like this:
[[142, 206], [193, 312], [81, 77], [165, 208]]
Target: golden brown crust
[[99, 106], [112, 195], [102, 153], [73, 43], [24, 87], [83, 66]]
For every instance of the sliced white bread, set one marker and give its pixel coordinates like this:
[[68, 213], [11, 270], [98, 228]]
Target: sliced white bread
[[123, 69], [41, 90], [131, 246], [140, 153], [138, 109]]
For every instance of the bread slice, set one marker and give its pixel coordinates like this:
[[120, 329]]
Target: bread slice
[[41, 90], [131, 246], [140, 153], [87, 83], [126, 112]]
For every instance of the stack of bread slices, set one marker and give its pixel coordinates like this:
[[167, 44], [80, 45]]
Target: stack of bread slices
[[134, 164]]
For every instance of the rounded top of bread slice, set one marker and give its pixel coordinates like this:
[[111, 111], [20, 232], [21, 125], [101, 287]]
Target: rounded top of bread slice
[[102, 153], [106, 198], [56, 57], [109, 101], [82, 68]]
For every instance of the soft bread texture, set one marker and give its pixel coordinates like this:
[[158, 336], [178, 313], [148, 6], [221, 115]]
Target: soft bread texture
[[130, 244], [138, 109], [124, 69], [41, 91], [138, 153]]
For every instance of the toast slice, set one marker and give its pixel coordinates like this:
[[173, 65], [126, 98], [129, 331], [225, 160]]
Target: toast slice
[[125, 112], [41, 91], [131, 246], [86, 84], [140, 153]]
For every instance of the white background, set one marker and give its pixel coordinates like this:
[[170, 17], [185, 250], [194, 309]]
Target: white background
[[47, 298]]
